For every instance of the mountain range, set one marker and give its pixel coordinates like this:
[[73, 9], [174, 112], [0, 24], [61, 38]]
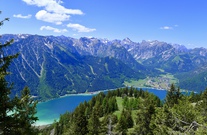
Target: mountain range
[[54, 66]]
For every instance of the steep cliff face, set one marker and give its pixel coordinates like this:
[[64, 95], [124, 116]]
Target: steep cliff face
[[105, 48]]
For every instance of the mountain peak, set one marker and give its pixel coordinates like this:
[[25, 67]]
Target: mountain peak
[[126, 41], [179, 47]]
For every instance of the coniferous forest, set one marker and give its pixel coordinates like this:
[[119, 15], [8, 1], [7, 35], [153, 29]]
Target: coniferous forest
[[136, 112]]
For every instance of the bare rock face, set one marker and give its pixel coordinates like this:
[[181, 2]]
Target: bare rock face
[[53, 66]]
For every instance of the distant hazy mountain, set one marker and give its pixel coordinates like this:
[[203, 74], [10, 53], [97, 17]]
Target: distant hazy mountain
[[170, 57], [53, 66]]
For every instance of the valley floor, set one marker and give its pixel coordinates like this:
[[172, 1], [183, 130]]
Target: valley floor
[[161, 82]]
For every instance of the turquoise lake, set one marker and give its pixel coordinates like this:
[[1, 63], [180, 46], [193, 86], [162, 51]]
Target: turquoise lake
[[49, 111]]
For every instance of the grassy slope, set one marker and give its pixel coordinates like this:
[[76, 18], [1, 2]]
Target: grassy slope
[[118, 113]]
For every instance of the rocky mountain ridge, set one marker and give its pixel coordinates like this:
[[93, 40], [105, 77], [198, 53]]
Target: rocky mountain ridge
[[53, 66]]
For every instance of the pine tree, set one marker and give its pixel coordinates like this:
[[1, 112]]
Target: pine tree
[[6, 107], [99, 108], [131, 91], [144, 115], [80, 121], [203, 106], [122, 124], [25, 113], [16, 114], [173, 95], [130, 122], [182, 118], [161, 121], [94, 123], [125, 102], [184, 115], [6, 104]]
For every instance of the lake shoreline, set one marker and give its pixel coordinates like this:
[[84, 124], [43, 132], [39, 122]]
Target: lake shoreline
[[97, 92], [55, 103]]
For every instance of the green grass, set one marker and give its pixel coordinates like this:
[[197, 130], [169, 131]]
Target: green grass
[[136, 83], [119, 101], [177, 59], [120, 106], [162, 81], [171, 77], [118, 113], [161, 70]]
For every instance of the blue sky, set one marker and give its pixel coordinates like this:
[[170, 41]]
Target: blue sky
[[173, 21]]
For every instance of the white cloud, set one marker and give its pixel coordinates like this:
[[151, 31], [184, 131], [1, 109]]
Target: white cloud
[[23, 17], [80, 28], [52, 17], [166, 28], [40, 3], [52, 8], [53, 29]]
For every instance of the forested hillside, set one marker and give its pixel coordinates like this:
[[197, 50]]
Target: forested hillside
[[131, 111], [53, 66]]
